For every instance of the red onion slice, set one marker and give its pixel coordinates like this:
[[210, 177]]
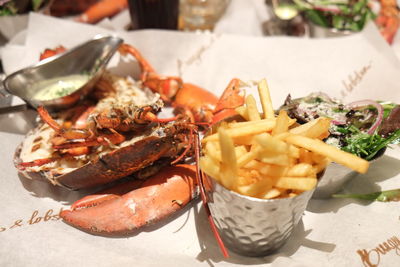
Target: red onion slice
[[337, 122], [378, 107]]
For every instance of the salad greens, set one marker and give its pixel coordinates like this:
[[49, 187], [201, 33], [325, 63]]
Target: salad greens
[[339, 14], [362, 128], [383, 196], [13, 7], [365, 145]]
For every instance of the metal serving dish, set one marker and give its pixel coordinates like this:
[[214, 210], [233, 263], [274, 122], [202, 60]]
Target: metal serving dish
[[336, 176], [89, 58], [251, 226], [317, 31]]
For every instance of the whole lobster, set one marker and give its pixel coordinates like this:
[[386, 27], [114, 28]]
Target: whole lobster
[[129, 206]]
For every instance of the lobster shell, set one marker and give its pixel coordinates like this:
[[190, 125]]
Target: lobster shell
[[140, 150], [111, 166]]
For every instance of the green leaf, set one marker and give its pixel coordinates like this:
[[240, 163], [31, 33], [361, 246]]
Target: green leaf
[[317, 18], [353, 15], [382, 196], [364, 145], [389, 140], [302, 5], [360, 5], [387, 108], [354, 27], [345, 9], [338, 22], [36, 4], [8, 9]]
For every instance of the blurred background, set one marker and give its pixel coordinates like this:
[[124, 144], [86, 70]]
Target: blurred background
[[193, 15], [300, 18]]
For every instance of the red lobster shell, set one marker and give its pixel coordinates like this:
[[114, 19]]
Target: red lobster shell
[[105, 164]]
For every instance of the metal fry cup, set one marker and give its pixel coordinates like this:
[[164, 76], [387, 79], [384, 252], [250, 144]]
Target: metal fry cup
[[251, 226]]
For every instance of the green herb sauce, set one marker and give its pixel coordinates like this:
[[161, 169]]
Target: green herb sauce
[[58, 87]]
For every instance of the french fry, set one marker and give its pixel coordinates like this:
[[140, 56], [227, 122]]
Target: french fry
[[305, 156], [282, 123], [249, 123], [294, 152], [272, 193], [264, 158], [300, 170], [297, 183], [244, 131], [240, 151], [247, 177], [314, 128], [213, 151], [246, 140], [249, 156], [273, 158], [302, 128], [256, 188], [253, 164], [317, 158], [252, 111], [273, 170], [242, 111], [263, 121], [210, 167], [270, 143], [282, 136], [265, 99], [349, 160], [321, 165], [228, 159]]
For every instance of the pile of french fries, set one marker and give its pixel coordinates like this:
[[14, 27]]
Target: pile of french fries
[[268, 156]]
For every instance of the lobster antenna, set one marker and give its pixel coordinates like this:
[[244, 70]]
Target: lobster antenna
[[199, 177]]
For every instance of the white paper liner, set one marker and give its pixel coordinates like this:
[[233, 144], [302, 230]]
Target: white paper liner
[[331, 231]]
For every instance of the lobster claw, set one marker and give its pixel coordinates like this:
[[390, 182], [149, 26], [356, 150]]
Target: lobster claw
[[122, 213], [232, 97]]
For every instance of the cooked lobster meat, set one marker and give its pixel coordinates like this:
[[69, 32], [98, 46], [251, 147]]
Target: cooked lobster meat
[[80, 154]]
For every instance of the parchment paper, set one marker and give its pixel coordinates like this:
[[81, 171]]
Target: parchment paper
[[331, 231]]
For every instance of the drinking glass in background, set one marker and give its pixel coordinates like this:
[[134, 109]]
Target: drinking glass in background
[[285, 9], [285, 19], [154, 14], [201, 15]]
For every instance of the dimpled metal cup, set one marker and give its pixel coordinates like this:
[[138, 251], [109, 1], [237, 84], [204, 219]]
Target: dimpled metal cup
[[251, 226]]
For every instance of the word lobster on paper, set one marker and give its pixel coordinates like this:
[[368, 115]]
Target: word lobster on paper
[[354, 79], [35, 218]]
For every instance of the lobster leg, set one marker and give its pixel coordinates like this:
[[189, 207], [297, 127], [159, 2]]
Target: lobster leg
[[167, 87], [197, 103], [67, 133], [156, 199]]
